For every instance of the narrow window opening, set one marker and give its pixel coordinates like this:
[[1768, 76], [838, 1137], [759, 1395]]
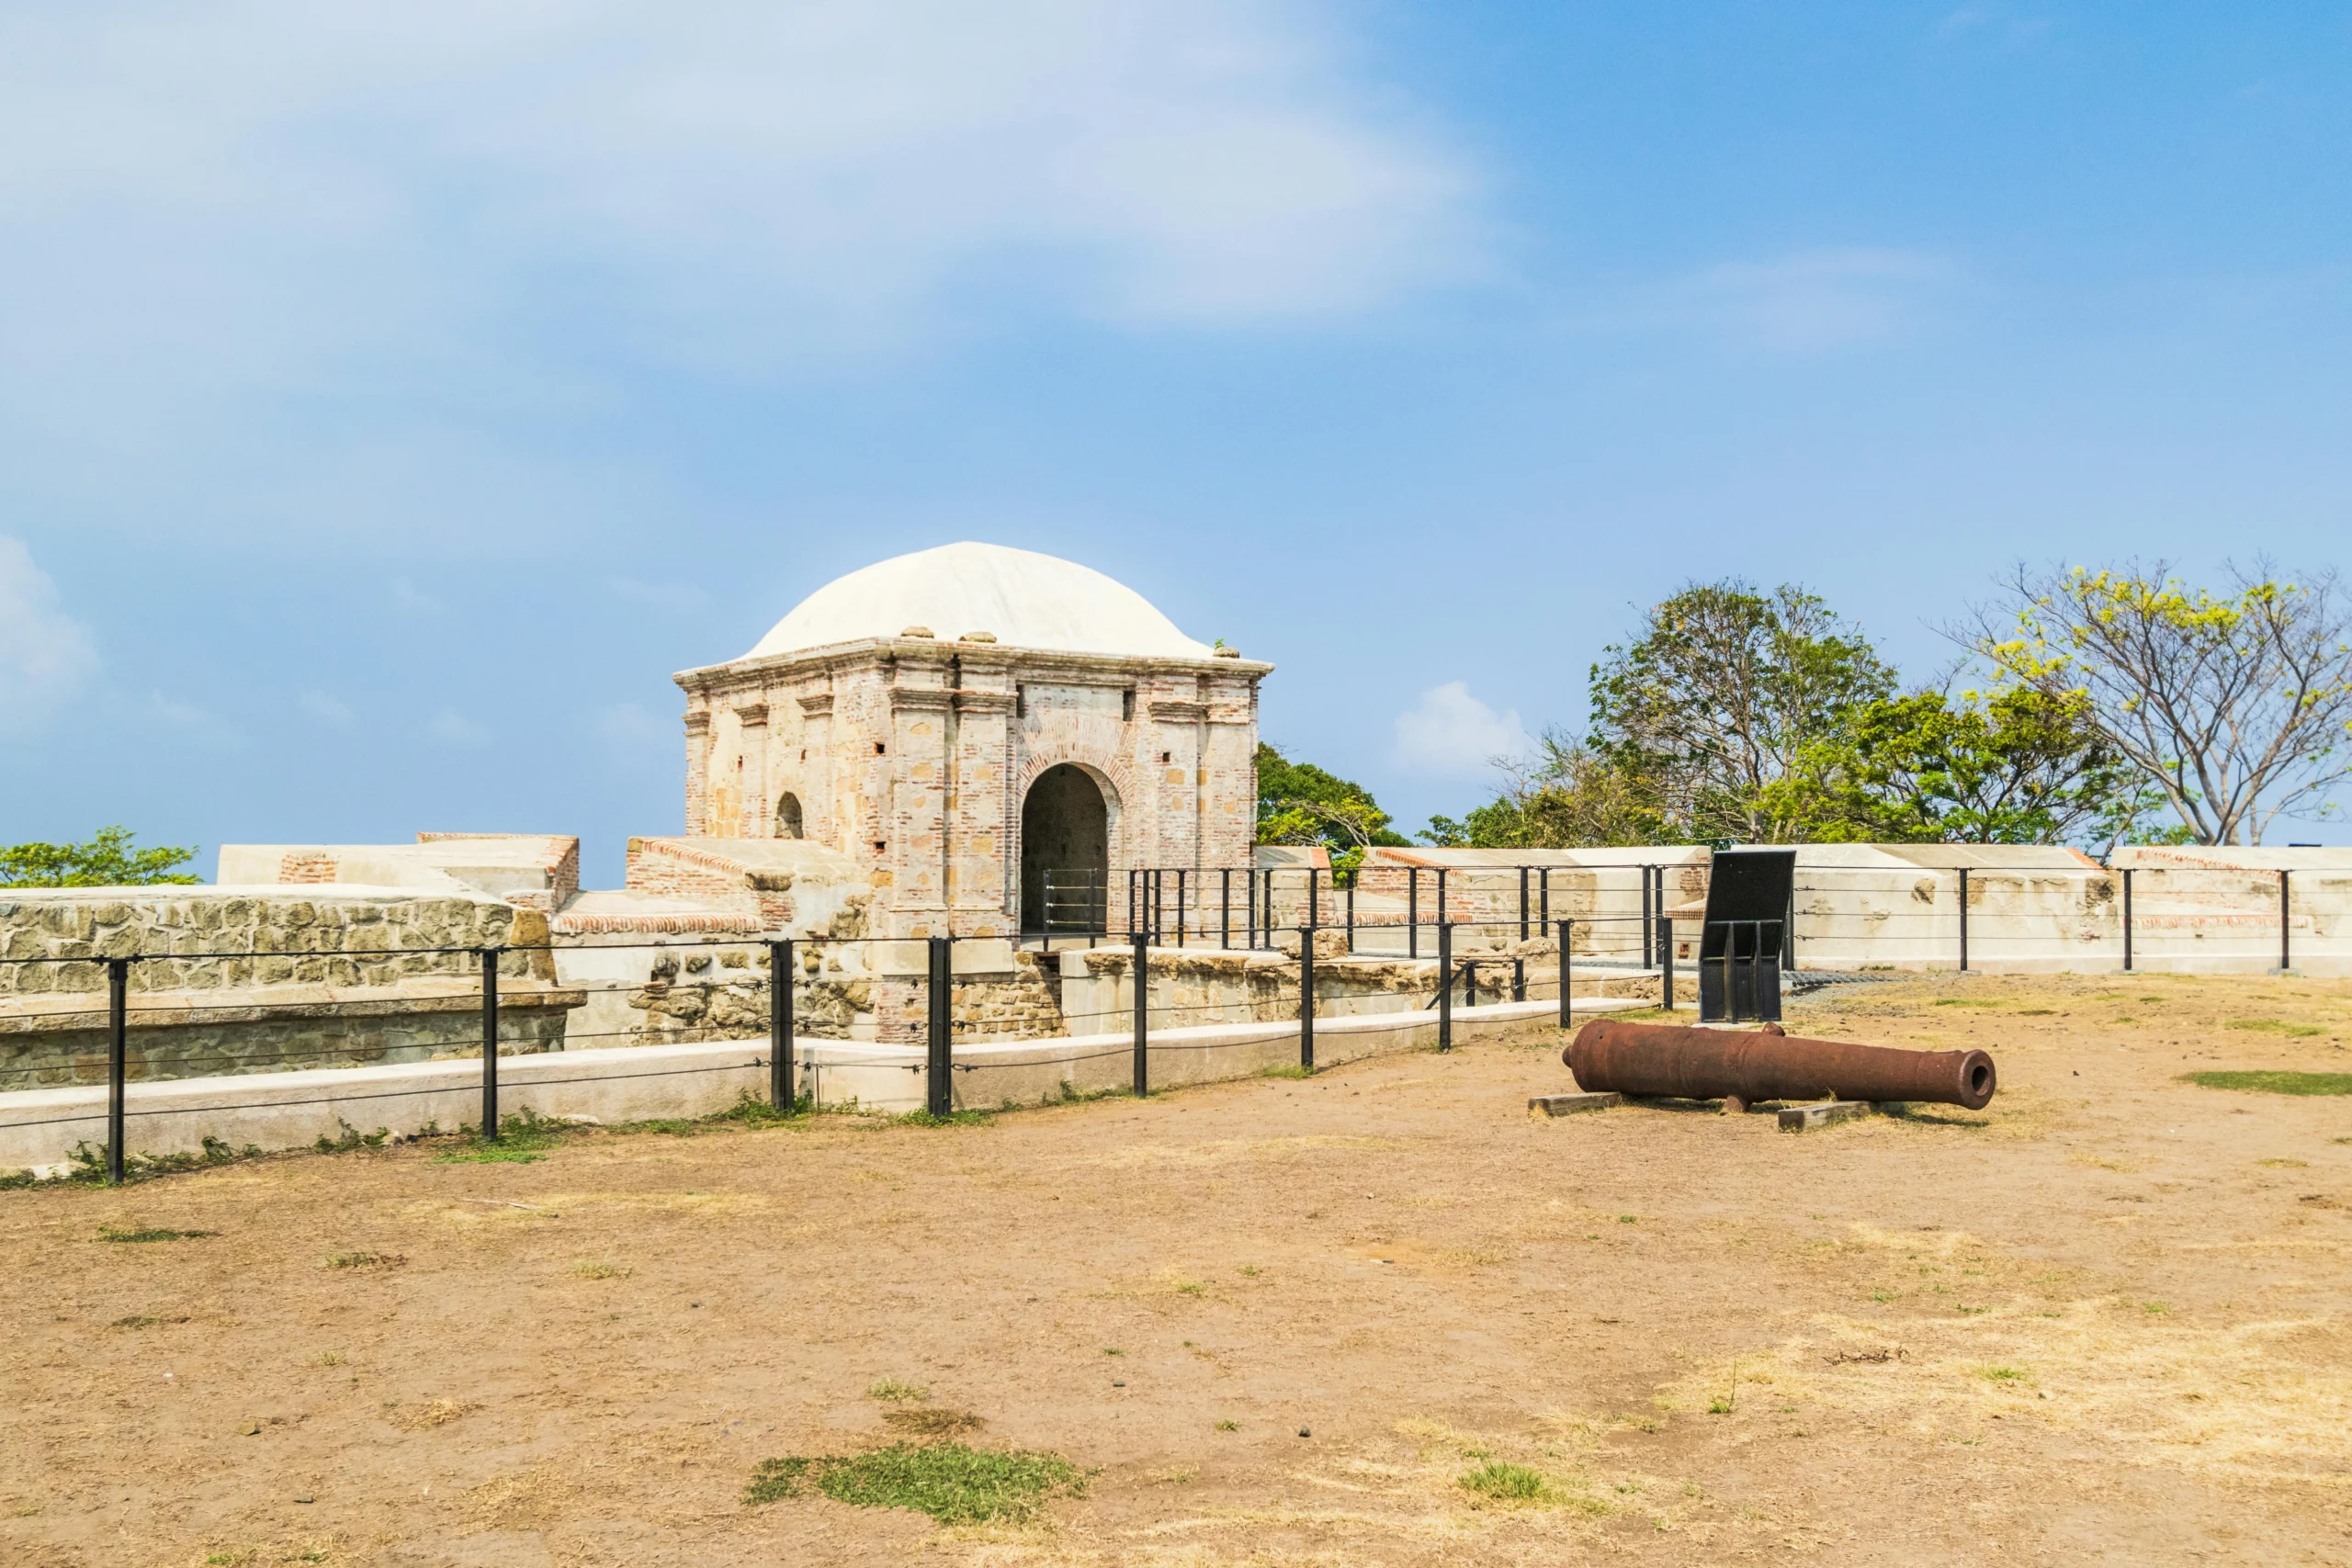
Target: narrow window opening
[[1021, 702], [1128, 706], [878, 749]]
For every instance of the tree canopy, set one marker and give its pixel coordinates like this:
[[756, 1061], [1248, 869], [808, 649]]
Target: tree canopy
[[1737, 715], [2236, 706], [108, 860], [1299, 802]]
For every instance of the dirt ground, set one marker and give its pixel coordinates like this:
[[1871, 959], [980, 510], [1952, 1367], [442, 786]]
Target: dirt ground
[[2105, 1322]]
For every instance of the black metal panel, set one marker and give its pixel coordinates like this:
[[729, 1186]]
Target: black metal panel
[[1749, 894]]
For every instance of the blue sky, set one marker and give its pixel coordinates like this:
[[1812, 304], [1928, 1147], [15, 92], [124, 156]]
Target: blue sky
[[392, 398]]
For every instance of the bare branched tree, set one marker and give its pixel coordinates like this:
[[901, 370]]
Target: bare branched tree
[[2238, 705]]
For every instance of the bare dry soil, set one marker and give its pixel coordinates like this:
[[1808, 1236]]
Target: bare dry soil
[[2105, 1321]]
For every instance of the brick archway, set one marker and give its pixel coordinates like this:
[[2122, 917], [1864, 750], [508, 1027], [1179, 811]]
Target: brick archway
[[1115, 780]]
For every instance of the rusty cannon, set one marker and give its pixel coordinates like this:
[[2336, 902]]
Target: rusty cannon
[[1719, 1064]]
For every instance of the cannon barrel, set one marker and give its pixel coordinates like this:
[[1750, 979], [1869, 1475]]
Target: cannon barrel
[[1716, 1063]]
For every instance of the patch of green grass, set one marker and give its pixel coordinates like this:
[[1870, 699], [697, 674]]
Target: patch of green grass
[[1229, 1426], [953, 1119], [2266, 1082], [2273, 1026], [749, 1111], [351, 1138], [2287, 1163], [598, 1268], [365, 1260], [2155, 1308], [895, 1390], [1112, 1350], [1629, 1219], [953, 1484], [523, 1138], [151, 1233], [1502, 1482], [1290, 1072], [2001, 1374], [88, 1163]]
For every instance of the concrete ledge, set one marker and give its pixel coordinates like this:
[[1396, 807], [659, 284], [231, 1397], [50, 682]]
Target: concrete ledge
[[1803, 1118], [38, 1128], [1569, 1104]]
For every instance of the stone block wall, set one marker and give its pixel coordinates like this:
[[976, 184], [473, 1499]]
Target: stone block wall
[[204, 940], [194, 1036]]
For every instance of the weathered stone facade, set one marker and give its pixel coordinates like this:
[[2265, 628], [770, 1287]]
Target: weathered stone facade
[[233, 981], [913, 753]]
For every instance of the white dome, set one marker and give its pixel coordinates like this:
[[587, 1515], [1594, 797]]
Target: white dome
[[1024, 599]]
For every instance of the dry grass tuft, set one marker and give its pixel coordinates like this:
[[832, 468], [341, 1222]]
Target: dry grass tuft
[[431, 1413]]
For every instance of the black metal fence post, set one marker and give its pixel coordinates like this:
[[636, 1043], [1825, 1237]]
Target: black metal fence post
[[1665, 956], [118, 1061], [490, 1043], [1442, 915], [1179, 906], [1306, 995], [1649, 932], [1351, 911], [1445, 976], [2127, 919], [940, 1066], [1963, 920], [1224, 907], [1413, 913], [1523, 903], [1252, 901], [1567, 968], [780, 1047], [1141, 977], [2286, 950]]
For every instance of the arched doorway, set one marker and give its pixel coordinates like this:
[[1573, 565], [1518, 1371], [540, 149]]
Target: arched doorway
[[787, 818], [1064, 829]]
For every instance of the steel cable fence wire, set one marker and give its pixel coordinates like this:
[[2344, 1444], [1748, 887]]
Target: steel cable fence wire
[[384, 1094]]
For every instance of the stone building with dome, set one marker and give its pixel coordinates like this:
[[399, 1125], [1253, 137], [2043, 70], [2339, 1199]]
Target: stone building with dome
[[958, 722]]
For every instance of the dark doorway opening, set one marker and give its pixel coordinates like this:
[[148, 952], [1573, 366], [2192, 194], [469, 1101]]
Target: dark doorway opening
[[1065, 852], [787, 818]]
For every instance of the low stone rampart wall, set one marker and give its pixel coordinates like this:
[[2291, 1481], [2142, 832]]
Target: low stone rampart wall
[[270, 1029], [39, 1129]]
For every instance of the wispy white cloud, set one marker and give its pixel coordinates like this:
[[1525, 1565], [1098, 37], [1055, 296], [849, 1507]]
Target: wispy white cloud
[[247, 186], [1807, 302], [191, 721], [1452, 734], [327, 709], [45, 654], [454, 729]]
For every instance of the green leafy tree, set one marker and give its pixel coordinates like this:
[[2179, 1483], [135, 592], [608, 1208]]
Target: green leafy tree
[[2023, 766], [1299, 802], [2236, 705], [108, 860], [1566, 797], [1706, 709]]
